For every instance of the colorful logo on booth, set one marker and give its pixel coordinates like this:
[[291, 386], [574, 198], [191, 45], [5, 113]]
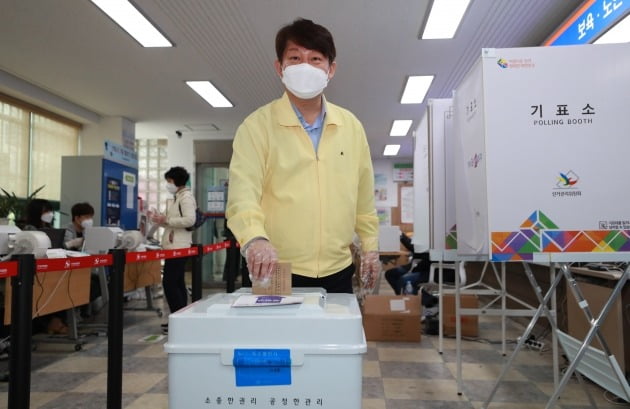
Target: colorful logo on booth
[[502, 62], [567, 180]]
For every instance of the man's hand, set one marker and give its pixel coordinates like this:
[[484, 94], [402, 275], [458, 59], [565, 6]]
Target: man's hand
[[370, 268], [261, 259], [74, 243]]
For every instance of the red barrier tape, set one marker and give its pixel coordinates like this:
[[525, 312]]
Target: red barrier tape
[[73, 263], [8, 269], [138, 256], [209, 248]]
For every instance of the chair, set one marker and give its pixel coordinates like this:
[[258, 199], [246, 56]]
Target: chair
[[434, 275]]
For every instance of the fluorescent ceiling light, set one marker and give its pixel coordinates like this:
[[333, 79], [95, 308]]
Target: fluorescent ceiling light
[[133, 22], [209, 92], [619, 33], [391, 150], [400, 127], [416, 89], [444, 19]]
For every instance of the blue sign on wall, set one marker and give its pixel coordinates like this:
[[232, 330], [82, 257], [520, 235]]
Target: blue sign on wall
[[591, 20]]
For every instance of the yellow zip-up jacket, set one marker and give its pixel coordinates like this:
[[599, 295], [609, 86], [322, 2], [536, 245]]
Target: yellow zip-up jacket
[[307, 204]]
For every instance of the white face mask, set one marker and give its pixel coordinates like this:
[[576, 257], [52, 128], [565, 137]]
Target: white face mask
[[47, 217], [304, 81], [172, 189], [87, 223]]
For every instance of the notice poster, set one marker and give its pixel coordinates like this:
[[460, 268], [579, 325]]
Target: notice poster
[[403, 172]]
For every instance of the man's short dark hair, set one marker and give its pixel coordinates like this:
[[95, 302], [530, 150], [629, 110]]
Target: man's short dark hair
[[307, 34], [179, 175], [82, 209]]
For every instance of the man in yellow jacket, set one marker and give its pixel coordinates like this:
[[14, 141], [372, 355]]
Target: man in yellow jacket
[[301, 178]]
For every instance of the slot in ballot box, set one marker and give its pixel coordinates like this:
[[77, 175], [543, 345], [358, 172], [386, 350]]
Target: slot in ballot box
[[301, 355]]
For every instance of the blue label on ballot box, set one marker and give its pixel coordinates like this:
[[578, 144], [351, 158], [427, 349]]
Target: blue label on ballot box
[[262, 367]]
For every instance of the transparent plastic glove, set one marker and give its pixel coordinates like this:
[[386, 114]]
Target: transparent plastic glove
[[261, 259], [370, 268], [74, 243]]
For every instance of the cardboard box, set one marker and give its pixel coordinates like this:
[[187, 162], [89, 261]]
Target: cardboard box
[[392, 318], [470, 323]]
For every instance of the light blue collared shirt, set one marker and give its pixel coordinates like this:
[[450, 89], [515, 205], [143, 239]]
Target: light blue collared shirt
[[314, 131]]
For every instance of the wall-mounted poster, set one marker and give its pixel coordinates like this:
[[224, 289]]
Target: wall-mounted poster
[[403, 172], [406, 204], [384, 215]]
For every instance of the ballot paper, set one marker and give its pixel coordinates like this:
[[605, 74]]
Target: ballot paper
[[251, 300]]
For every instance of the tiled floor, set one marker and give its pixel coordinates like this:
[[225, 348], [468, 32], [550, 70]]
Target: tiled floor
[[395, 375]]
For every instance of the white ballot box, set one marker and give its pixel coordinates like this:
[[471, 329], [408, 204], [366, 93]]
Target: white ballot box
[[305, 355], [541, 144]]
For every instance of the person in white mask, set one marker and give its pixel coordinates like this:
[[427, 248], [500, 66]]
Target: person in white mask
[[301, 178], [82, 218], [39, 214], [179, 216]]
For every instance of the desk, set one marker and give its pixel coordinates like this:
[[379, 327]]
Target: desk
[[54, 291], [395, 258], [142, 274]]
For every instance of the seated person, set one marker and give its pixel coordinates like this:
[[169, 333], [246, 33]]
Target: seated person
[[82, 218], [39, 215], [398, 277]]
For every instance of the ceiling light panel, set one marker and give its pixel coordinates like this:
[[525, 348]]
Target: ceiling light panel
[[444, 19], [133, 22], [400, 127], [416, 89], [210, 93], [391, 150]]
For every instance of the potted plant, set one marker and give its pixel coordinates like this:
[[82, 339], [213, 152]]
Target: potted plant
[[11, 205], [8, 205]]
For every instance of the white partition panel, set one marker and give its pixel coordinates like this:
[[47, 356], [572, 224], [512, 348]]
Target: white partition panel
[[470, 170], [443, 232], [421, 187]]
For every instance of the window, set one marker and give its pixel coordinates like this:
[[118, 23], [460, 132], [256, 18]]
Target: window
[[50, 141], [32, 142], [152, 164], [14, 145]]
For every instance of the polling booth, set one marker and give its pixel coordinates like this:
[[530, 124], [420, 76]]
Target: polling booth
[[542, 140], [442, 226], [541, 143]]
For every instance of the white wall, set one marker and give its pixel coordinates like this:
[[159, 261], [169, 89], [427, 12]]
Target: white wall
[[181, 153], [116, 129]]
